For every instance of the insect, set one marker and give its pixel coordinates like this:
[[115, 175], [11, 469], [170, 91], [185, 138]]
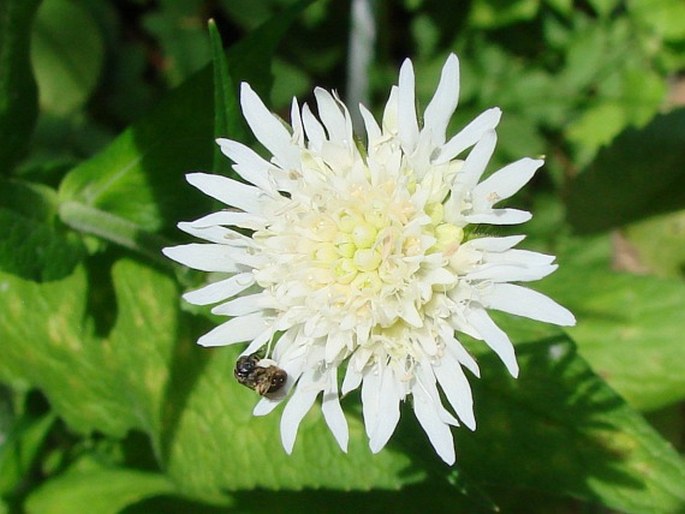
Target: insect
[[259, 374]]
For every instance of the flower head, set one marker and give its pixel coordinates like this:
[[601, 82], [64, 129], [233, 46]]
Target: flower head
[[359, 267]]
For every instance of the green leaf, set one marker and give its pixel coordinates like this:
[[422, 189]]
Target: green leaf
[[111, 384], [629, 96], [18, 106], [289, 81], [19, 449], [496, 13], [115, 229], [665, 17], [559, 429], [431, 496], [139, 177], [214, 443], [250, 59], [186, 400], [228, 121], [34, 246], [641, 174], [178, 28], [603, 7], [67, 53], [35, 250], [629, 328], [660, 243], [137, 182], [29, 200], [95, 489]]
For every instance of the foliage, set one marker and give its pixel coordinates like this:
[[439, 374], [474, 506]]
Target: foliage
[[107, 404]]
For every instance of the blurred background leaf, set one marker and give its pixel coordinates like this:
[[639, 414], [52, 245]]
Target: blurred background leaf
[[17, 86], [641, 174], [135, 186], [108, 403], [67, 54]]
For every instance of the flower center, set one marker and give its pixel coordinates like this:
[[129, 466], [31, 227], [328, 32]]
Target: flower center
[[360, 249]]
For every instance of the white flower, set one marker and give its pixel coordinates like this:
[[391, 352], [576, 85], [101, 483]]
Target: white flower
[[366, 262]]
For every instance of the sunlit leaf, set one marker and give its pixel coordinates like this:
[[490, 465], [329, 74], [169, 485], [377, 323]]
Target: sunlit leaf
[[214, 443], [95, 489], [186, 400], [663, 16], [629, 329], [111, 384]]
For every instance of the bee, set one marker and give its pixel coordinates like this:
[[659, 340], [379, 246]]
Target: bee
[[259, 374]]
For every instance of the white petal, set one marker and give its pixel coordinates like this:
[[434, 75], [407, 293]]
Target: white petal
[[522, 301], [231, 218], [500, 217], [406, 108], [457, 389], [333, 413], [314, 129], [494, 244], [388, 411], [519, 257], [220, 290], [242, 305], [339, 127], [439, 276], [511, 273], [248, 163], [440, 109], [425, 375], [495, 338], [371, 398], [409, 314], [477, 160], [438, 432], [336, 342], [266, 405], [216, 234], [268, 129], [296, 122], [455, 348], [469, 135], [230, 192], [292, 362], [203, 257], [373, 131], [235, 330], [353, 377], [296, 408], [504, 183], [427, 341], [257, 343], [390, 113]]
